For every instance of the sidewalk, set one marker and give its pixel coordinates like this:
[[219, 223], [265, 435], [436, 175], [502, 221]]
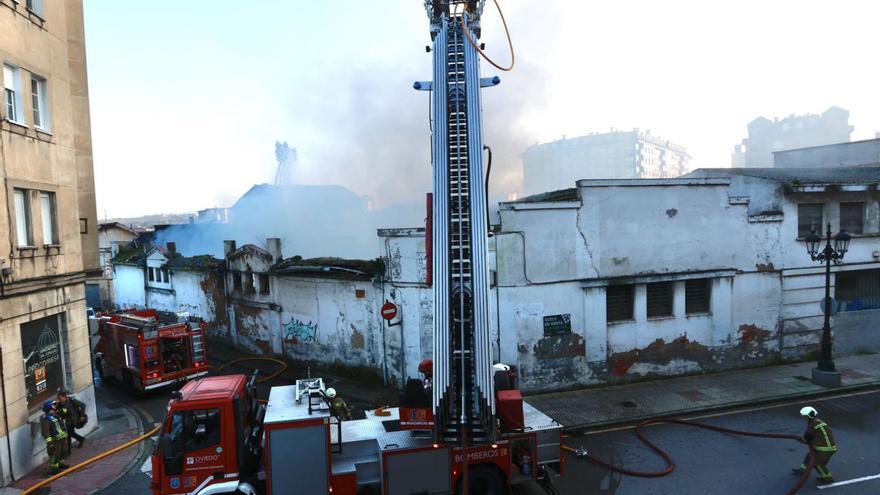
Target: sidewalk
[[117, 424], [615, 405]]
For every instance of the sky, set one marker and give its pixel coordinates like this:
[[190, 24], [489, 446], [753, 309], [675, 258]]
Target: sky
[[188, 98]]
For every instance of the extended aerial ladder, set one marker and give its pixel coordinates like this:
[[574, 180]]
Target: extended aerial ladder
[[464, 405]]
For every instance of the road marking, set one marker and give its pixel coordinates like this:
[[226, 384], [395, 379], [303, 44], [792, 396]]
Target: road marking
[[732, 412], [849, 482]]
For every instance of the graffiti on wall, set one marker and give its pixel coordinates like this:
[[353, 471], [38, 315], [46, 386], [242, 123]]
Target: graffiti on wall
[[296, 331]]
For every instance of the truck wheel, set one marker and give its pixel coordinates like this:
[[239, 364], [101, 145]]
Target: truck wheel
[[483, 480]]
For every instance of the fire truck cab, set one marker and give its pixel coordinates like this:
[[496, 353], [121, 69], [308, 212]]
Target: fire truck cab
[[210, 440], [147, 349]]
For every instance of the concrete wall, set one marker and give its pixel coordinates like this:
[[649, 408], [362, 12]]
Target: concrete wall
[[833, 155], [128, 287]]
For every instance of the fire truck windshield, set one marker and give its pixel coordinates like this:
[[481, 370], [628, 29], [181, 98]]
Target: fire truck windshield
[[190, 431]]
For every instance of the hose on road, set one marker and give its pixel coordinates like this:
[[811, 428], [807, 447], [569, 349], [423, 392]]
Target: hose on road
[[670, 464], [258, 358]]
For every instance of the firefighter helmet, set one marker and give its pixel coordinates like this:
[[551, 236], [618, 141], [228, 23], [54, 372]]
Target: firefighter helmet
[[809, 412], [48, 405], [331, 392]]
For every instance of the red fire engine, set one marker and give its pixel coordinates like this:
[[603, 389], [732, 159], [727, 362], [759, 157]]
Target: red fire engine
[[147, 349]]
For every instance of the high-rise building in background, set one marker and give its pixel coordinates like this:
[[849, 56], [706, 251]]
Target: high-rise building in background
[[48, 233], [612, 155], [794, 131]]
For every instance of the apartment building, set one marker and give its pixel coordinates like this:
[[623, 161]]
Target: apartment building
[[48, 233], [635, 154]]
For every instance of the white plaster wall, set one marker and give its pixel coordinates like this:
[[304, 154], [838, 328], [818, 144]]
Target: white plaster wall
[[546, 362], [324, 320], [128, 286], [657, 229]]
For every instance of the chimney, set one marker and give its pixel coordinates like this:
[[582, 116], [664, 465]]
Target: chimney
[[228, 248], [273, 245], [171, 247]]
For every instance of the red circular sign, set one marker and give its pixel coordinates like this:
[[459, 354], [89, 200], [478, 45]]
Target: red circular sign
[[389, 310]]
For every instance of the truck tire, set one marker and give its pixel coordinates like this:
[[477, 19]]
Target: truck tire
[[483, 480]]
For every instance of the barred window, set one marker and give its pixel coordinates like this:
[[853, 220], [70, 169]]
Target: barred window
[[660, 295], [619, 302], [852, 217], [809, 218], [697, 296], [857, 290]]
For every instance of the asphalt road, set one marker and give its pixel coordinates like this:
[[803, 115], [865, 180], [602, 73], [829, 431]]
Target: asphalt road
[[713, 463], [706, 462]]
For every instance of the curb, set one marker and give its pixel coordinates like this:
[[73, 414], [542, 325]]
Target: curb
[[632, 421], [133, 415]]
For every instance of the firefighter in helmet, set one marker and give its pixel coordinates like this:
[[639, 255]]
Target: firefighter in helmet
[[821, 441], [338, 404], [53, 431]]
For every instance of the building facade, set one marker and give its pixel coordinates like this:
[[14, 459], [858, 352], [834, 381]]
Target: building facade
[[628, 279], [612, 155], [49, 231], [795, 131], [111, 237]]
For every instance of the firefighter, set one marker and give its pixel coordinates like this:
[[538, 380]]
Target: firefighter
[[338, 404], [73, 412], [52, 429], [821, 441]]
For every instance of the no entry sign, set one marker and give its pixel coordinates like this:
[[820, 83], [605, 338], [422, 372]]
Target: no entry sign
[[389, 310]]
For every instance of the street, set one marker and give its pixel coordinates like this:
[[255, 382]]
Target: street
[[714, 463], [706, 462]]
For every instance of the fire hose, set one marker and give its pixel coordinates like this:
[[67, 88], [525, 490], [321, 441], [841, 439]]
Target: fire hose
[[150, 433], [670, 464]]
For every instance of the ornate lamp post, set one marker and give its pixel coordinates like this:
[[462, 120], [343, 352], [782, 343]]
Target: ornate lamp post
[[825, 373]]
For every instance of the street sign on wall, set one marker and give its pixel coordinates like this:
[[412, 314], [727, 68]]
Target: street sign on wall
[[389, 310]]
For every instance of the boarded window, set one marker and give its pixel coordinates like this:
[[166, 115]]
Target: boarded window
[[697, 294], [619, 302], [264, 283], [852, 217], [857, 290], [236, 281], [809, 219], [360, 293], [660, 296]]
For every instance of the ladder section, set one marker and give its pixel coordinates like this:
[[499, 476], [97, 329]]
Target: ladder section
[[463, 415]]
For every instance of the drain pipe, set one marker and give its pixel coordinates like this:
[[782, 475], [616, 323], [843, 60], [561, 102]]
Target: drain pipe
[[6, 417]]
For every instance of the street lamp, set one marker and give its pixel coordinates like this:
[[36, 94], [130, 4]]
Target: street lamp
[[825, 374]]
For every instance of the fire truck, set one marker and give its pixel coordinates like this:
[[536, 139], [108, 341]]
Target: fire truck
[[147, 349], [461, 428]]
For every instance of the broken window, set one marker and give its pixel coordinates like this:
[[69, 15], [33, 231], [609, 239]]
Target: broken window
[[236, 280], [264, 283], [852, 217], [151, 276], [165, 276], [697, 296], [249, 282], [660, 295], [360, 293], [619, 302], [857, 290], [809, 218]]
